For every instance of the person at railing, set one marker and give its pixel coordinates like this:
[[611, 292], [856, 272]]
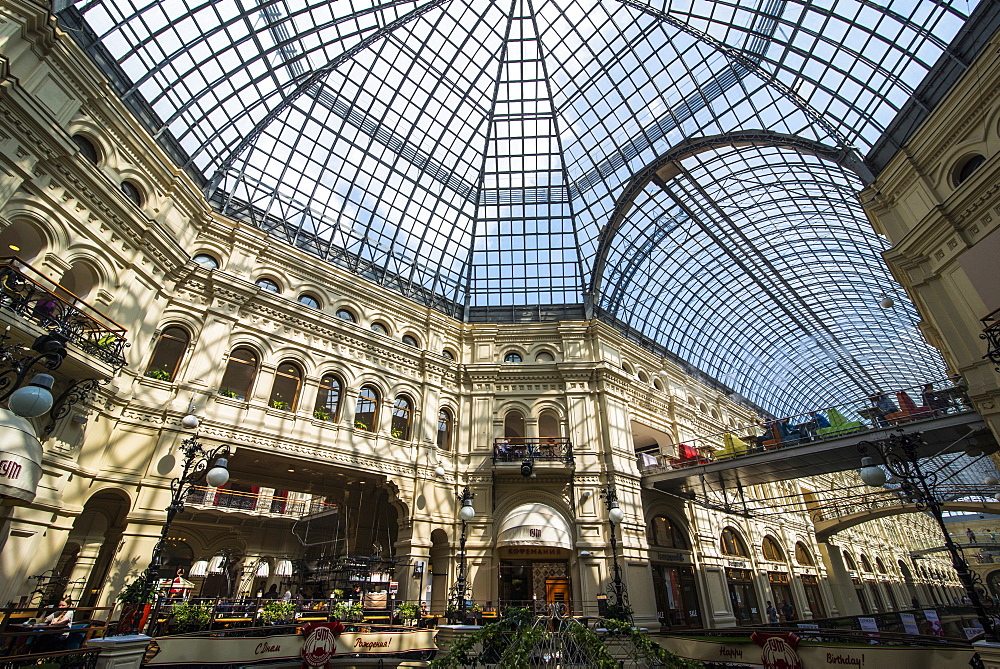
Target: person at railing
[[503, 450], [971, 535], [820, 420], [62, 617], [789, 433], [772, 613], [931, 399], [885, 407]]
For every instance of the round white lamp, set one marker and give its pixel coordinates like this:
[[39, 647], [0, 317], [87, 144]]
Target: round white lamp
[[467, 513], [190, 422], [34, 399], [615, 514], [991, 480], [439, 470], [886, 302], [870, 474], [218, 475]]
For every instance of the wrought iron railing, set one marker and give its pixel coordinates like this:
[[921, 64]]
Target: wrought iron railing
[[35, 298], [519, 449], [238, 500], [926, 401], [991, 333]]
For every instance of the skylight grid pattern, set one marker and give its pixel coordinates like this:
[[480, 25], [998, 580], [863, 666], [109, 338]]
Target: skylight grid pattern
[[476, 150]]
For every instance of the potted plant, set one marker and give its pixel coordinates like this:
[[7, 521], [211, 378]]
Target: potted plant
[[348, 611], [408, 613], [396, 433], [338, 593], [188, 617], [158, 374], [278, 404], [360, 425], [227, 392], [277, 613], [321, 415], [137, 601]]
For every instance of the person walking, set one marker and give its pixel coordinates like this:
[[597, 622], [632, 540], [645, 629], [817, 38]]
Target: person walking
[[971, 535]]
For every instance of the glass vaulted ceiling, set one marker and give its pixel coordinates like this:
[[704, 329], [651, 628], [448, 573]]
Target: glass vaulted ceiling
[[686, 169]]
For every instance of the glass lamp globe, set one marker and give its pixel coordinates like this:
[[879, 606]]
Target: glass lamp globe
[[439, 470], [190, 422], [997, 497], [870, 474], [616, 514], [991, 480], [467, 512], [886, 302], [218, 475], [34, 399]]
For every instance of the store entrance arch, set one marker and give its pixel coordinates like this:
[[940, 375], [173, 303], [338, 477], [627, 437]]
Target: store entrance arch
[[534, 543]]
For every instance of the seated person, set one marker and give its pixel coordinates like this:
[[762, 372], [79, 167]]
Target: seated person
[[820, 420], [62, 617], [931, 399], [885, 407], [789, 432]]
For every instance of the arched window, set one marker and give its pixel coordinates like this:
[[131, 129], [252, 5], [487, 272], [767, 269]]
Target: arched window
[[513, 425], [444, 429], [87, 148], [664, 533], [849, 562], [328, 398], [402, 414], [643, 377], [206, 260], [627, 368], [347, 315], [133, 193], [544, 356], [379, 328], [285, 391], [732, 544], [802, 555], [410, 340], [657, 384], [168, 353], [240, 372], [447, 354], [865, 563], [366, 412], [772, 551], [310, 301], [969, 166], [548, 425], [512, 356], [80, 280], [270, 285], [879, 565], [23, 239]]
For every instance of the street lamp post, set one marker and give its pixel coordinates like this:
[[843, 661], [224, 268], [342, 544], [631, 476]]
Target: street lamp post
[[465, 513], [898, 454], [195, 468], [617, 603]]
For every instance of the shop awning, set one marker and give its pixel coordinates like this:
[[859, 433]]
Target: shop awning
[[535, 525]]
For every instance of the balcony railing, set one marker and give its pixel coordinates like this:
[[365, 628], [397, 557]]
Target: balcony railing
[[35, 298], [991, 333], [937, 398], [519, 449], [255, 503]]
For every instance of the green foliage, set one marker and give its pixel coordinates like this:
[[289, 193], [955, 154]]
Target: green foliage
[[338, 593], [133, 592], [278, 404], [321, 415], [408, 611], [360, 425], [187, 617], [396, 433], [277, 612], [228, 392], [158, 374], [649, 650], [348, 611]]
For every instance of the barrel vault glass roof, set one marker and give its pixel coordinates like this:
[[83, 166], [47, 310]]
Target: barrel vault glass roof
[[685, 169]]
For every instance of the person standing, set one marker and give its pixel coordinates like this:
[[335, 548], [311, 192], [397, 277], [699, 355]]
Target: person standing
[[772, 613], [971, 535], [787, 610]]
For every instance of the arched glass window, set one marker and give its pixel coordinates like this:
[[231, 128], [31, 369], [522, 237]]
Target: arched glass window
[[548, 425], [379, 328], [328, 398], [664, 533], [133, 193], [879, 565], [87, 148], [802, 555], [402, 414], [512, 356], [168, 353], [240, 372], [732, 544], [410, 340], [444, 429], [970, 165], [366, 412], [866, 563], [206, 260], [657, 384], [643, 377], [347, 315], [513, 425], [627, 368], [309, 300], [269, 285], [849, 562], [285, 391], [772, 551], [447, 354]]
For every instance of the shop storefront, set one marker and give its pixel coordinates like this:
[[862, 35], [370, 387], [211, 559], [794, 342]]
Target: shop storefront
[[676, 592], [782, 593], [810, 585], [534, 547], [746, 609]]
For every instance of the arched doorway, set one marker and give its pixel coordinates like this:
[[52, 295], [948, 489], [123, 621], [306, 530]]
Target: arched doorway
[[674, 585], [439, 572], [91, 546], [534, 543]]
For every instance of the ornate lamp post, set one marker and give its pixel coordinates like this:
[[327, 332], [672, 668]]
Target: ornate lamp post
[[617, 602], [898, 454], [465, 513], [195, 468]]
